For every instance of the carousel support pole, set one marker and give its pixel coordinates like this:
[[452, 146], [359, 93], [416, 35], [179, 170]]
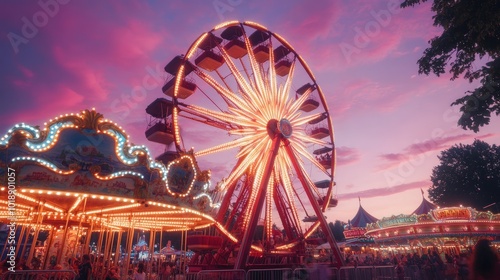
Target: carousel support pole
[[161, 240], [49, 244], [151, 249], [24, 236], [118, 246], [3, 250], [63, 243], [95, 269], [107, 245], [130, 238], [99, 241], [128, 250], [106, 254], [86, 249], [184, 253], [110, 247], [79, 231], [20, 241], [35, 237]]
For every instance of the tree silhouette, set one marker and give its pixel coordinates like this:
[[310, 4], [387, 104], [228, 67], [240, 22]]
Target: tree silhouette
[[471, 36], [467, 175], [337, 229]]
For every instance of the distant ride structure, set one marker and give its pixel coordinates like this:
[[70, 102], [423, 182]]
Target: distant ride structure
[[243, 101]]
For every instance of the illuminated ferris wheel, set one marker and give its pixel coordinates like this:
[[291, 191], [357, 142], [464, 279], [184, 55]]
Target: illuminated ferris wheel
[[249, 108]]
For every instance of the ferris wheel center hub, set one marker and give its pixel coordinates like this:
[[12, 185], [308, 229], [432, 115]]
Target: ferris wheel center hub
[[283, 127]]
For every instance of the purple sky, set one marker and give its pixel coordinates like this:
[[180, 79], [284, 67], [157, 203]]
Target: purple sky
[[62, 56]]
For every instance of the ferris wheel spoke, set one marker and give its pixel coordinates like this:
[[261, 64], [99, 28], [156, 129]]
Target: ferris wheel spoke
[[304, 179], [299, 101], [246, 162], [301, 150], [306, 119], [226, 93], [241, 142], [290, 201], [210, 114], [308, 139], [256, 82], [241, 81]]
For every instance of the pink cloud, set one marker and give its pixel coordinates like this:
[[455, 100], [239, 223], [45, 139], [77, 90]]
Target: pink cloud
[[430, 145], [365, 95], [368, 33], [382, 192], [346, 155]]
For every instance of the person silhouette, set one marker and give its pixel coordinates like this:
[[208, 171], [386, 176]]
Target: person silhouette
[[484, 262]]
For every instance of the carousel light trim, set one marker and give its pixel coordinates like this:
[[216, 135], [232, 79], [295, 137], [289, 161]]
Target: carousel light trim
[[149, 213], [118, 175], [50, 139], [202, 226], [172, 223], [30, 132], [45, 204], [112, 209], [43, 163], [124, 218], [26, 208], [227, 233], [195, 175], [77, 202]]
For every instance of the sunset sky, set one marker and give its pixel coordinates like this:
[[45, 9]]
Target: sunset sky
[[62, 56]]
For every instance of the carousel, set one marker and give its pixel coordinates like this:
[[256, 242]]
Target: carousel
[[450, 229], [79, 175]]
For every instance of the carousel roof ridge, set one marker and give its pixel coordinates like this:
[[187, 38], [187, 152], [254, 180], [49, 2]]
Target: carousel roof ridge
[[362, 218], [425, 206]]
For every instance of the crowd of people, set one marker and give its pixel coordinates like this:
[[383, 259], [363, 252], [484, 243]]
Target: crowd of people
[[88, 267], [480, 263]]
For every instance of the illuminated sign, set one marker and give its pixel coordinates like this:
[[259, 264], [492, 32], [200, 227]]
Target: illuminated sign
[[455, 213], [397, 220], [355, 232]]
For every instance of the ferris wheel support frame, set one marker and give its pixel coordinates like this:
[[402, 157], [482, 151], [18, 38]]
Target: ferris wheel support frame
[[246, 241], [318, 211]]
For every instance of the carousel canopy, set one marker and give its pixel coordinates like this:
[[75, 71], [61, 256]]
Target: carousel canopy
[[81, 170]]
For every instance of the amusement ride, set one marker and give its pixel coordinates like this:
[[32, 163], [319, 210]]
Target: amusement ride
[[242, 94], [240, 102]]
